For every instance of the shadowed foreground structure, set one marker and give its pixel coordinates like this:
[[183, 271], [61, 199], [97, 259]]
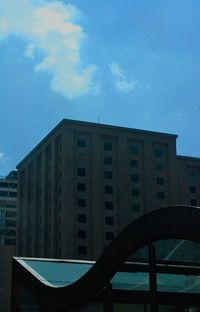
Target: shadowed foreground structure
[[174, 222]]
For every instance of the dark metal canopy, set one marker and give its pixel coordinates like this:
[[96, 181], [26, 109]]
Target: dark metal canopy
[[174, 222]]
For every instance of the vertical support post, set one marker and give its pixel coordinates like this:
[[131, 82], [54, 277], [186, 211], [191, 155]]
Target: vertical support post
[[152, 278], [108, 305], [14, 305]]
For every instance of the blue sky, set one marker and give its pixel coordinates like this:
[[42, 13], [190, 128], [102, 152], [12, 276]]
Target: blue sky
[[133, 63]]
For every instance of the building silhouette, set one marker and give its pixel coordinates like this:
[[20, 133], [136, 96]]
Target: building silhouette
[[8, 215], [84, 182]]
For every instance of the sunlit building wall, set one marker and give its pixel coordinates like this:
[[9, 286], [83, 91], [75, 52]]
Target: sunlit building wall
[[84, 182]]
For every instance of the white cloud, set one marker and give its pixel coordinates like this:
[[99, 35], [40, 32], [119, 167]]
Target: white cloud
[[121, 81], [3, 158], [50, 27]]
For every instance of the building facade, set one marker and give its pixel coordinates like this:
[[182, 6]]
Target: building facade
[[8, 216], [8, 209], [84, 182]]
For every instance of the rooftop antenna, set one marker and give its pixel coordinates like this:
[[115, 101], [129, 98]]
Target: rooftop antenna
[[98, 120]]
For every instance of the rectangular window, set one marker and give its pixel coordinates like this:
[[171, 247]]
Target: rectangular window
[[108, 189], [81, 250], [134, 163], [108, 175], [193, 202], [4, 193], [134, 149], [160, 195], [107, 160], [135, 192], [107, 146], [192, 176], [159, 153], [193, 189], [81, 187], [81, 202], [109, 220], [81, 142], [81, 234], [160, 166], [109, 235], [135, 207], [160, 181], [81, 218], [10, 214], [10, 223], [109, 205], [81, 172], [135, 178]]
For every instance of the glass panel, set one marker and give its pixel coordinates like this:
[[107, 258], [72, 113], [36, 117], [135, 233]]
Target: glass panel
[[178, 250], [178, 283], [130, 281], [57, 273]]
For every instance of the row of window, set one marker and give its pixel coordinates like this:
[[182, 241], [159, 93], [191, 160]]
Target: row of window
[[136, 193], [81, 202], [8, 194], [81, 172], [82, 235], [82, 188], [8, 185], [81, 218], [134, 148]]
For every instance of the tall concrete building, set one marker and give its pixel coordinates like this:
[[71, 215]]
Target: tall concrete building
[[84, 182]]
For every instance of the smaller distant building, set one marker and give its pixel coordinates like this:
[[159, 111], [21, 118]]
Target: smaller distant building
[[8, 216], [8, 209]]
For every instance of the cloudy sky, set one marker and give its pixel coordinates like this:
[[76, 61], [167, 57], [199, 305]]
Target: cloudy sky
[[133, 63]]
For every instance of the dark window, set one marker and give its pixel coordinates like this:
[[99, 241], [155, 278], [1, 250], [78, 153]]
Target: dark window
[[81, 250], [158, 153], [109, 220], [109, 235], [9, 241], [160, 195], [193, 176], [134, 163], [109, 205], [107, 146], [81, 234], [193, 189], [108, 160], [10, 214], [81, 218], [81, 172], [81, 187], [3, 184], [135, 207], [3, 193], [135, 178], [108, 175], [134, 149], [160, 166], [193, 202], [10, 223], [160, 181], [135, 192], [81, 202], [108, 189], [81, 143]]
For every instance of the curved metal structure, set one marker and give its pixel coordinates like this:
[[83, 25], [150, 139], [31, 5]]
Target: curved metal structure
[[173, 222]]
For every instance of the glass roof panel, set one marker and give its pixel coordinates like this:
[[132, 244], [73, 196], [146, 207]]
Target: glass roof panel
[[63, 273], [57, 273]]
